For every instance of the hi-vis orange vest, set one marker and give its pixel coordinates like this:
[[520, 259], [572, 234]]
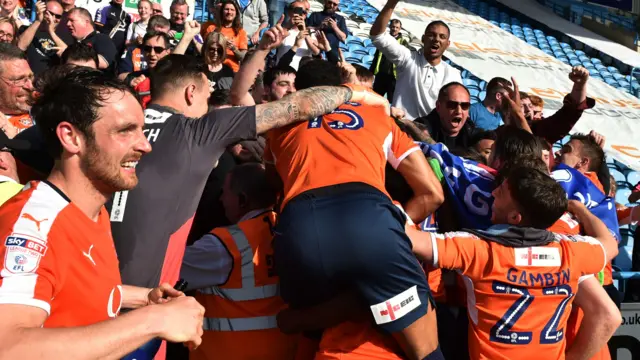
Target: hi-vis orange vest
[[240, 316]]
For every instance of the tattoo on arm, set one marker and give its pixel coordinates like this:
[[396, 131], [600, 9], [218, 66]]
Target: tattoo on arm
[[300, 106]]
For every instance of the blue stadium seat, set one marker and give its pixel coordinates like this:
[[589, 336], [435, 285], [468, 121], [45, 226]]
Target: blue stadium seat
[[611, 81], [596, 61], [474, 92], [618, 176], [367, 59], [372, 51], [613, 69], [593, 72], [354, 58], [623, 84], [471, 84], [616, 75], [633, 177], [588, 65], [601, 67], [606, 75], [358, 49], [482, 95], [622, 196]]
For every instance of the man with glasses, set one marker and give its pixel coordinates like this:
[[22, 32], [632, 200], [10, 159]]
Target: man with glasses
[[333, 25], [155, 46], [16, 87], [448, 123], [157, 8], [179, 14], [486, 115], [38, 39]]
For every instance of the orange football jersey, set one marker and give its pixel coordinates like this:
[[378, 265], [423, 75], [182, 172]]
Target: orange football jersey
[[20, 122], [57, 259], [351, 144], [518, 299]]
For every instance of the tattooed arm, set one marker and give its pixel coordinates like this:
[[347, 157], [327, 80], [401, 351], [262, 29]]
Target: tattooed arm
[[300, 106]]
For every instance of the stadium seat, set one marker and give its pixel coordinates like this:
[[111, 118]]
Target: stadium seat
[[633, 177], [618, 176], [358, 49], [622, 196], [471, 84]]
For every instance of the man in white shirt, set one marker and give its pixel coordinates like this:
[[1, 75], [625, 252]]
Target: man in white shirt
[[297, 30], [421, 73]]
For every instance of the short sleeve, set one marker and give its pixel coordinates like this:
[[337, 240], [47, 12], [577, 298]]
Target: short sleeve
[[222, 127], [460, 251], [587, 247], [105, 48], [101, 18], [243, 41], [343, 26], [399, 147], [30, 272]]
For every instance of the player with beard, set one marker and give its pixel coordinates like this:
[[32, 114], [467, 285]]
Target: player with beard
[[420, 74], [60, 288]]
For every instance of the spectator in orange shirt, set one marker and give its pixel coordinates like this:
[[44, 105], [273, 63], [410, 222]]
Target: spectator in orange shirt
[[229, 24]]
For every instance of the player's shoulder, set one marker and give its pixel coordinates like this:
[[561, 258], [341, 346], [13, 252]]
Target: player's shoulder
[[462, 236], [565, 239], [32, 212]]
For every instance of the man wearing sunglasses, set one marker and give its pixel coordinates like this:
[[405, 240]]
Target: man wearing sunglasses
[[38, 39], [448, 123], [333, 25], [155, 46]]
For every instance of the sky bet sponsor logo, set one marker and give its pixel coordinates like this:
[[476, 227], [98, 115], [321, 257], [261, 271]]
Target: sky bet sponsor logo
[[23, 255], [26, 243]]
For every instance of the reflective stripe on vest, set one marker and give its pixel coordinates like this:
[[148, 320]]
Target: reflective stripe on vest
[[240, 324], [249, 290]]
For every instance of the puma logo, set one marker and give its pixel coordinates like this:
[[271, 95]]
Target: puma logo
[[88, 255], [30, 217]]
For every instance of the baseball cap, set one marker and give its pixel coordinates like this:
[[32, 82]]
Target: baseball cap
[[35, 155], [13, 144]]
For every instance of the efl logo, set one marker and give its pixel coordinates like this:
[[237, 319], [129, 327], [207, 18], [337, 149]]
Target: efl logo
[[396, 307]]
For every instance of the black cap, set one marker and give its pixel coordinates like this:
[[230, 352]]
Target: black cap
[[13, 144], [36, 155]]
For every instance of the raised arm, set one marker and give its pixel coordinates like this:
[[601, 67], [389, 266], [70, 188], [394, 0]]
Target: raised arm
[[302, 105], [579, 76], [380, 25], [246, 76], [27, 36], [191, 29], [594, 227]]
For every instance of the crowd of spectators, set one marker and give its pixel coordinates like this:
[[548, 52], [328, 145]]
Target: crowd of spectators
[[186, 145]]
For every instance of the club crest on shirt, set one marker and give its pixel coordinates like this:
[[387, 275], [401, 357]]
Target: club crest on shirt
[[23, 254]]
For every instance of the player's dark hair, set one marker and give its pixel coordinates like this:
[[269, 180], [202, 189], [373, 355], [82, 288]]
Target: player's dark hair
[[158, 20], [526, 161], [317, 72], [496, 85], [469, 153], [443, 94], [272, 74], [157, 34], [79, 52], [362, 73], [173, 71], [541, 200], [436, 23], [512, 143], [250, 179], [395, 21], [482, 135], [220, 97], [73, 94], [590, 149]]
